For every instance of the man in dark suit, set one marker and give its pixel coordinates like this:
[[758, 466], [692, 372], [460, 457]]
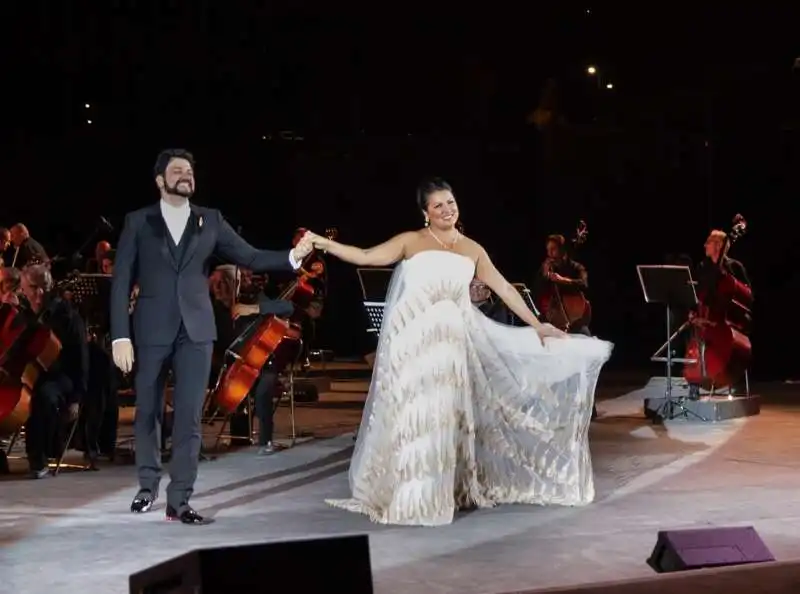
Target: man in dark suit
[[165, 249], [26, 249]]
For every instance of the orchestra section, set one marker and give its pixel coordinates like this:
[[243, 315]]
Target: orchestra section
[[60, 391]]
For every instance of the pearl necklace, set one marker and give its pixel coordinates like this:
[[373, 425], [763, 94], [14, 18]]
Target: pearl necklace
[[443, 244]]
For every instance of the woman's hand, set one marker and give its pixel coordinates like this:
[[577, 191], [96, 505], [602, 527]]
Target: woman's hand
[[550, 331]]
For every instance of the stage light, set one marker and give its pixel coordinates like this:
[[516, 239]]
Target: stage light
[[609, 86], [87, 106], [88, 121], [591, 70]]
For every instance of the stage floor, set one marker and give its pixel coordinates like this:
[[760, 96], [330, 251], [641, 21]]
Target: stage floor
[[74, 532]]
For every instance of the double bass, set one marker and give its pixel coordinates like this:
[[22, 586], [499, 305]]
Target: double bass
[[268, 340], [28, 348], [720, 343], [566, 307]]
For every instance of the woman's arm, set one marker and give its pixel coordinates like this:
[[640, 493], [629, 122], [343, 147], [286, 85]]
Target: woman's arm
[[486, 272], [384, 254]]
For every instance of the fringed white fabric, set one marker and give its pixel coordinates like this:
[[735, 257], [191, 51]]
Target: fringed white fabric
[[465, 412]]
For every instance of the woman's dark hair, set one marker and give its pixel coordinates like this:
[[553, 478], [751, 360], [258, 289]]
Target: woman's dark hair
[[165, 156], [429, 186]]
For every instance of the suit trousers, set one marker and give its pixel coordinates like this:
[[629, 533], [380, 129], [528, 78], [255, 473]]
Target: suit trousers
[[191, 365]]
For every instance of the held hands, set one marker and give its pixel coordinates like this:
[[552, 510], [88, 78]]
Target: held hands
[[304, 247], [122, 352]]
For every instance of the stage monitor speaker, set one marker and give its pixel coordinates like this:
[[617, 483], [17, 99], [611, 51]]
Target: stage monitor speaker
[[308, 566], [679, 550]]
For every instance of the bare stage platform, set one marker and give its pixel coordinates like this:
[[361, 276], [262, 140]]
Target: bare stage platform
[[74, 533]]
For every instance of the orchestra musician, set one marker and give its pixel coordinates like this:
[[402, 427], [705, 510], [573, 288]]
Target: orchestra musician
[[716, 264], [165, 248], [561, 270], [481, 296], [26, 249], [5, 243], [266, 388], [62, 388], [708, 275], [9, 285], [103, 261]]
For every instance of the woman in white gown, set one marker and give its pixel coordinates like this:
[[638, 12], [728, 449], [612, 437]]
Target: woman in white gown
[[462, 411]]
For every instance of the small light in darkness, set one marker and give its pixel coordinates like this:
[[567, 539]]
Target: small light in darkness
[[609, 86], [591, 70], [88, 121], [87, 106]]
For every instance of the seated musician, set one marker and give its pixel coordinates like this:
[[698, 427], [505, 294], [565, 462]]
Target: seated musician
[[61, 388], [266, 389], [103, 259], [716, 264], [481, 297], [9, 286], [708, 274], [5, 243], [27, 249], [561, 270]]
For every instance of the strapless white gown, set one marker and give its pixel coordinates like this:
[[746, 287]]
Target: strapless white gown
[[465, 412]]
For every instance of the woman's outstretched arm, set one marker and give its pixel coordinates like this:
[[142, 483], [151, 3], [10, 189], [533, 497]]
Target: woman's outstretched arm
[[384, 254]]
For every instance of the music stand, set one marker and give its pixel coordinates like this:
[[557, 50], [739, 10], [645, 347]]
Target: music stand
[[374, 286], [91, 294], [670, 286]]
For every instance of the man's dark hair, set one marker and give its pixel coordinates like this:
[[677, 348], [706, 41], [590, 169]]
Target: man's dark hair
[[168, 155]]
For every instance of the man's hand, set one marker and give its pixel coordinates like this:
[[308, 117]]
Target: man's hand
[[122, 352], [304, 247], [243, 309], [557, 278]]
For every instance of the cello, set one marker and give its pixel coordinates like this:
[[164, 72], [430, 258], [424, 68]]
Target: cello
[[268, 340], [566, 307], [27, 349], [720, 343]]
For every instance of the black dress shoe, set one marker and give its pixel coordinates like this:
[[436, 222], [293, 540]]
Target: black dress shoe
[[143, 502], [187, 516]]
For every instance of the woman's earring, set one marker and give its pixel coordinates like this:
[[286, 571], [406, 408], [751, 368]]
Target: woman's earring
[[427, 221]]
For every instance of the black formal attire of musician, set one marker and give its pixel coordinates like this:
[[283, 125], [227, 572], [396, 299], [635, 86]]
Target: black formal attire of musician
[[173, 324], [494, 309], [30, 251], [65, 383], [708, 275], [568, 268]]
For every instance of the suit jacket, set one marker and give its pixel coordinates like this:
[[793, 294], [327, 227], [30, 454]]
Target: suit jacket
[[171, 291], [30, 252]]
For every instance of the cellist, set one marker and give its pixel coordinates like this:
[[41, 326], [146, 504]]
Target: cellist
[[62, 388], [709, 274]]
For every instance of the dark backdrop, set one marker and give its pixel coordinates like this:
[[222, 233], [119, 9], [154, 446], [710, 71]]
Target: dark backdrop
[[331, 118]]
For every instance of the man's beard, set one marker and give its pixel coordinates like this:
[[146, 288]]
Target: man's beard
[[176, 190]]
